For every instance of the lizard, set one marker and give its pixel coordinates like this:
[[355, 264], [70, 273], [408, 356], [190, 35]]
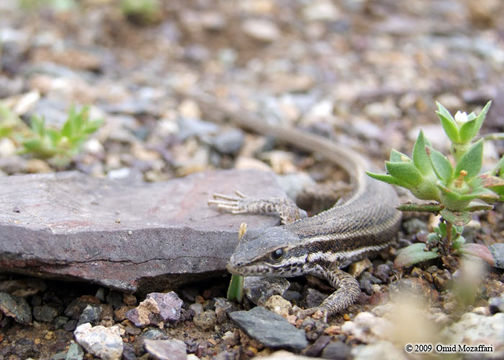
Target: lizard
[[320, 245]]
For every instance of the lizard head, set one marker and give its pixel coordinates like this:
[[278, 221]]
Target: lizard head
[[268, 252]]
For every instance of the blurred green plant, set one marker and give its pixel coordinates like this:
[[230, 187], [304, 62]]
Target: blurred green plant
[[142, 12], [60, 145], [455, 184], [10, 124], [55, 5]]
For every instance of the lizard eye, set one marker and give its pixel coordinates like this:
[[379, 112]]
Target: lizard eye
[[277, 254]]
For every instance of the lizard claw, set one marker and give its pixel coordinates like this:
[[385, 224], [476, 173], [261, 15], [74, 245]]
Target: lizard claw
[[229, 203]]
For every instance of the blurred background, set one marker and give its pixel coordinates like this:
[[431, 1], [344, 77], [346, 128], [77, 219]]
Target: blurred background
[[365, 73]]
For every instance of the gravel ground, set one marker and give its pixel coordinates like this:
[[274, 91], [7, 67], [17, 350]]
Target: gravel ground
[[364, 73]]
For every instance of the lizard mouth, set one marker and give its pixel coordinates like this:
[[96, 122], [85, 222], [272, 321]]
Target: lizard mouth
[[250, 270], [235, 270]]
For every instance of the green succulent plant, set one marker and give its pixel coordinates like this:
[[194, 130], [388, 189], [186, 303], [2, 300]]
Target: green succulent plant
[[60, 145], [454, 183]]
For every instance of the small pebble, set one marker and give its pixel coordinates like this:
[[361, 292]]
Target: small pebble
[[222, 307], [154, 334], [321, 10], [278, 305], [383, 272], [228, 142], [261, 30], [74, 352], [60, 321], [15, 307], [496, 304], [90, 314], [205, 320], [357, 268], [259, 289], [367, 327], [7, 147], [105, 343], [115, 299], [314, 298], [156, 308], [230, 338], [336, 350], [44, 313], [171, 349], [197, 308], [129, 299]]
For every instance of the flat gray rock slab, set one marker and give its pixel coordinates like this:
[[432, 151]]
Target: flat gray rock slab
[[270, 329], [133, 237]]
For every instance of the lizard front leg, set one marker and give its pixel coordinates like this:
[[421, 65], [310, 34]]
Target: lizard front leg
[[241, 204], [347, 291]]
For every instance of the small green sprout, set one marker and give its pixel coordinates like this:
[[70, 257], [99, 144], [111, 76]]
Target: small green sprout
[[141, 12], [60, 145], [454, 183], [235, 289]]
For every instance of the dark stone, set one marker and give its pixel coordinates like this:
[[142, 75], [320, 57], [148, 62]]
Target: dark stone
[[414, 226], [26, 348], [90, 314], [313, 328], [70, 325], [100, 294], [497, 251], [366, 281], [229, 141], [189, 293], [134, 107], [23, 287], [496, 304], [36, 300], [59, 356], [132, 330], [154, 334], [16, 308], [128, 352], [44, 313], [77, 306], [115, 299], [195, 127], [314, 298], [222, 308], [121, 235], [383, 272], [316, 348], [259, 289], [74, 352], [60, 322], [336, 351], [270, 329]]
